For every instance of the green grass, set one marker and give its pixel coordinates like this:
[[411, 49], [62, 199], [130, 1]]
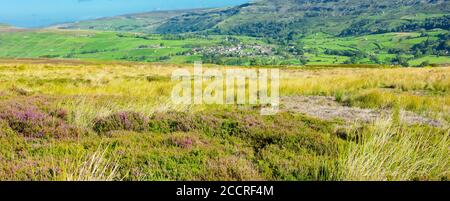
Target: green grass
[[431, 60], [111, 46], [376, 45], [385, 150], [98, 45]]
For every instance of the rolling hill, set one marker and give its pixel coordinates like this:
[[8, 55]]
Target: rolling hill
[[142, 22], [289, 18], [2, 25]]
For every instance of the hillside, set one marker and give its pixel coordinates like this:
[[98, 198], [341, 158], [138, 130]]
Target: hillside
[[289, 18], [142, 22], [2, 25], [8, 28]]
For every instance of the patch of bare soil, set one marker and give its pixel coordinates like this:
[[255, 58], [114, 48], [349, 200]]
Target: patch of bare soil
[[327, 108]]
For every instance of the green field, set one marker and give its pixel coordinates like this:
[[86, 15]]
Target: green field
[[95, 45], [316, 49]]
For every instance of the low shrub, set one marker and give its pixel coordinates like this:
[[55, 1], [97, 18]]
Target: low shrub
[[31, 121], [280, 163], [290, 130], [182, 141], [121, 121], [59, 113], [232, 168], [173, 122]]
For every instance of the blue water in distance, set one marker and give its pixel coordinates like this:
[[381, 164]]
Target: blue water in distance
[[40, 13]]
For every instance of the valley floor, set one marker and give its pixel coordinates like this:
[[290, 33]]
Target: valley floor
[[76, 120]]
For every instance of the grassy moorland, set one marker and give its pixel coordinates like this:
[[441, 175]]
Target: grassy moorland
[[73, 120]]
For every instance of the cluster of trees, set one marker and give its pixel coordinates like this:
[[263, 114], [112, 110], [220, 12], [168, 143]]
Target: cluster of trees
[[401, 60], [93, 51], [358, 28], [429, 23], [370, 26], [143, 58], [184, 36], [273, 31], [347, 53], [196, 21], [438, 47], [140, 36]]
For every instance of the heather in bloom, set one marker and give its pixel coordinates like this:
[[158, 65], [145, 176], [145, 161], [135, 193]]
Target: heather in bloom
[[183, 142], [30, 121], [59, 113], [121, 121]]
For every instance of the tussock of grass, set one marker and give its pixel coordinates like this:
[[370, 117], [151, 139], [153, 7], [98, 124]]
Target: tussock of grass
[[94, 167], [390, 152]]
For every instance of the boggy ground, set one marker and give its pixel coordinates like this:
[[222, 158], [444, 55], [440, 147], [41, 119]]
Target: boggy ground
[[97, 121]]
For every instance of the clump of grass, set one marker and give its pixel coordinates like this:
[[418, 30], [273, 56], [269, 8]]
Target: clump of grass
[[157, 78], [396, 112], [94, 167], [339, 96], [21, 91], [370, 99], [395, 152]]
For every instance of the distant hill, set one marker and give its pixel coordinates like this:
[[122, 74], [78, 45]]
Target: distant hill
[[9, 28], [142, 22], [289, 18]]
